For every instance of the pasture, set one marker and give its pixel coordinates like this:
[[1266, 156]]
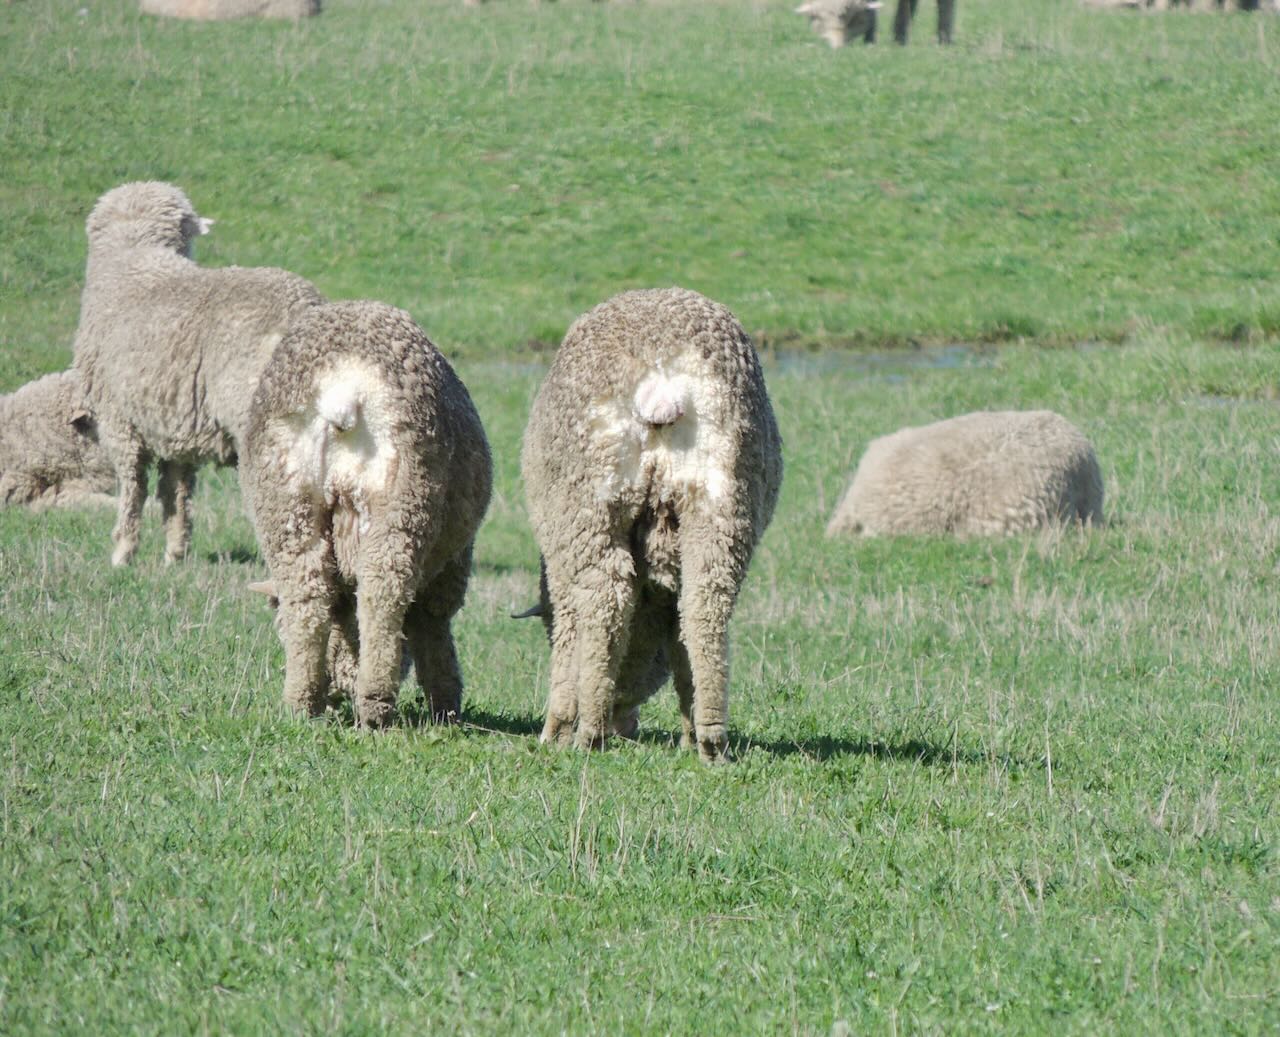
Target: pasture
[[1011, 786]]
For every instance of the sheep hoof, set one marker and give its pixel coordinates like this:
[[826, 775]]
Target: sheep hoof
[[123, 554], [557, 732], [444, 715], [374, 714], [713, 743], [589, 737]]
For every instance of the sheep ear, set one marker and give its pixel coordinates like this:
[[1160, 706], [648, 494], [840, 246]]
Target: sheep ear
[[206, 225], [530, 612], [267, 587], [81, 420]]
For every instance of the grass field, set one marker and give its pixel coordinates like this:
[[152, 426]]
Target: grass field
[[1029, 785]]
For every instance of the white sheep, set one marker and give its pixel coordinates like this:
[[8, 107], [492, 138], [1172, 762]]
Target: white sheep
[[49, 450], [651, 464], [985, 473], [223, 10], [839, 21], [169, 352], [367, 472]]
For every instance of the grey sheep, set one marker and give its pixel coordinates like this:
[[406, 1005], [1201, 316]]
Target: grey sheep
[[49, 450], [985, 473], [366, 472], [651, 465], [169, 352]]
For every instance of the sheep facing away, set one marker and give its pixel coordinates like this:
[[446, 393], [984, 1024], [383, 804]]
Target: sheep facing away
[[49, 450], [366, 472], [839, 21], [169, 352], [985, 473], [651, 465]]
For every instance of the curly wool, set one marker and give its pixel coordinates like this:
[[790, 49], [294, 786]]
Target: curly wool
[[49, 450], [652, 464], [170, 352], [985, 473], [367, 472]]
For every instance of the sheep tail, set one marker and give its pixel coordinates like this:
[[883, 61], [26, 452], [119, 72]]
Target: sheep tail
[[660, 400], [339, 405]]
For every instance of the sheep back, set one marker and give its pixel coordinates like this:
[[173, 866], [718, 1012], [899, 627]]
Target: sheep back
[[49, 449], [652, 464], [367, 472], [985, 473]]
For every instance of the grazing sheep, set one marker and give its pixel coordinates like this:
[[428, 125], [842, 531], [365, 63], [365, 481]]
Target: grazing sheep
[[223, 10], [49, 450], [839, 21], [169, 352], [651, 465], [985, 473], [366, 471]]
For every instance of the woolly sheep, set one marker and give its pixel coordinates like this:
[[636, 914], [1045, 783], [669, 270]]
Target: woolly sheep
[[985, 473], [366, 472], [651, 465], [169, 352], [222, 10], [839, 21], [49, 450]]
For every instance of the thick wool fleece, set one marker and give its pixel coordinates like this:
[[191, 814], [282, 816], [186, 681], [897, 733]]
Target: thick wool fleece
[[985, 473], [49, 450], [651, 464], [367, 472], [223, 10], [170, 352]]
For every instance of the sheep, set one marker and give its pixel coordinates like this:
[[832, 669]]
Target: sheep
[[169, 352], [49, 450], [223, 10], [366, 472], [985, 473], [839, 21], [651, 464]]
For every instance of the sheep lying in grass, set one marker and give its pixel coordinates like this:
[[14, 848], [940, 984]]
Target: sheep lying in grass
[[839, 21], [49, 450], [651, 465], [223, 10], [169, 352], [985, 473], [366, 471]]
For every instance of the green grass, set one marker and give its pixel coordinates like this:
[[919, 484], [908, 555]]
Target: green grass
[[1027, 785]]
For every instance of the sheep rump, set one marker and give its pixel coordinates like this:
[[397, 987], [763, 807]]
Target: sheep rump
[[985, 473], [49, 450], [366, 472], [652, 464], [169, 352]]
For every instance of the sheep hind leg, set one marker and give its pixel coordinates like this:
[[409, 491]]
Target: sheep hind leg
[[711, 572], [305, 625], [176, 486], [131, 474], [427, 625], [381, 603]]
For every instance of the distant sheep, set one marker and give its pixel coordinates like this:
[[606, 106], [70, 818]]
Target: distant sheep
[[839, 21], [651, 464], [224, 10], [49, 450], [169, 352], [986, 473], [367, 472]]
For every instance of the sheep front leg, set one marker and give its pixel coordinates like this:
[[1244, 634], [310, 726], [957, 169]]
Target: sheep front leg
[[682, 678], [131, 473], [435, 660], [176, 486], [562, 703]]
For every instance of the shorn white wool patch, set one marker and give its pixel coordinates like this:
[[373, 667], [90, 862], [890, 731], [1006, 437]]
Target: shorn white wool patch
[[342, 443], [667, 436]]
